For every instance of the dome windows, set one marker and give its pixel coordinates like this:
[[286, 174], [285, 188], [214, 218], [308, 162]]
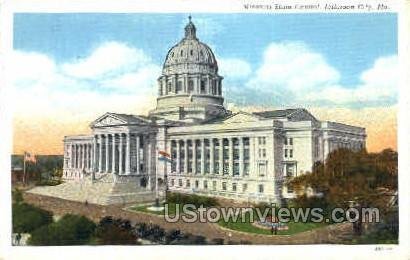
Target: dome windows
[[179, 87], [203, 86], [190, 86]]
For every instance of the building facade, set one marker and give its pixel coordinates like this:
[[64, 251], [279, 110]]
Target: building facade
[[214, 152]]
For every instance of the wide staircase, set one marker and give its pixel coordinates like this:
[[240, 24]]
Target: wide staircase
[[103, 190]]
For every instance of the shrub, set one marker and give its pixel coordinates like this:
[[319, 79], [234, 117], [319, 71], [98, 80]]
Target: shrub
[[27, 218], [69, 230], [191, 199], [17, 196], [115, 232]]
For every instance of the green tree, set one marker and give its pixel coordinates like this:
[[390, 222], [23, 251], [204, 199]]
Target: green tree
[[69, 230], [27, 218], [352, 176], [111, 231]]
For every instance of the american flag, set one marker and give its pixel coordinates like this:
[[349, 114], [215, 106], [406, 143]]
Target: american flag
[[28, 157]]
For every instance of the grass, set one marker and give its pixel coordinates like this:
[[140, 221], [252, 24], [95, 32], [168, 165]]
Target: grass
[[246, 226], [293, 227], [144, 208]]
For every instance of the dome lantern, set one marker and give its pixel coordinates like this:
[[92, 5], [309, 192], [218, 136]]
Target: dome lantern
[[190, 30]]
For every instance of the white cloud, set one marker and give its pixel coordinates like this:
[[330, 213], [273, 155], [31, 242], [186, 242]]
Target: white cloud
[[234, 68], [123, 81], [107, 60], [292, 66], [293, 74], [378, 84]]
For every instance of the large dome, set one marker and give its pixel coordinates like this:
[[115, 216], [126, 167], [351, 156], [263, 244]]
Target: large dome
[[191, 51], [189, 88]]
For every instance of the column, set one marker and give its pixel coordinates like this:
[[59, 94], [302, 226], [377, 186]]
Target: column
[[186, 156], [89, 156], [120, 156], [77, 156], [211, 154], [149, 161], [194, 156], [241, 157], [230, 156], [72, 156], [100, 153], [178, 170], [325, 148], [106, 153], [113, 159], [94, 163], [221, 156], [138, 144], [84, 156], [202, 156], [73, 153], [127, 155]]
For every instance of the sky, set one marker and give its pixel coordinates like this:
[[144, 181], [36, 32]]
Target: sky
[[68, 69]]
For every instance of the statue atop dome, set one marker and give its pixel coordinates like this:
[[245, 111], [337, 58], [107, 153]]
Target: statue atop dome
[[190, 30]]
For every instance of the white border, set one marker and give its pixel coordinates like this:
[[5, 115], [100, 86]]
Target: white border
[[7, 8]]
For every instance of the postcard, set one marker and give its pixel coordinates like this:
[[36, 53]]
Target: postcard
[[176, 123]]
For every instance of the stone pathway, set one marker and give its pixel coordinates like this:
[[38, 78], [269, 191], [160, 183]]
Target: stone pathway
[[328, 235]]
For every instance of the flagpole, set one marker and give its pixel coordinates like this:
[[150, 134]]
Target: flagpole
[[24, 168]]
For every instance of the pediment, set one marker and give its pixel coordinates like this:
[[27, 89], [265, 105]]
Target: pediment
[[108, 120], [241, 117]]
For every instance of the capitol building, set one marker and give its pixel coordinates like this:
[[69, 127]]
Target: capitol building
[[212, 151]]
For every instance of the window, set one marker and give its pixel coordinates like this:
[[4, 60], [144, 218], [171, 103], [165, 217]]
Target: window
[[169, 87], [188, 183], [180, 182], [233, 186], [290, 170], [263, 153], [286, 153], [179, 86], [289, 188], [172, 182], [246, 168], [214, 185], [182, 52], [196, 184], [205, 185], [290, 141], [244, 187], [291, 153], [236, 169], [191, 52], [203, 86], [262, 169], [260, 188], [190, 86], [223, 185]]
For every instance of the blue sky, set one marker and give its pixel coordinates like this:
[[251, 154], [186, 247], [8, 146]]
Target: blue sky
[[344, 46]]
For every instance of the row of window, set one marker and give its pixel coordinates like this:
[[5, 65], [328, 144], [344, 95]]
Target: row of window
[[288, 153], [234, 186], [214, 88]]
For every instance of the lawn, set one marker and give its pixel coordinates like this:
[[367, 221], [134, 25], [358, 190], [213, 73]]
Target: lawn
[[246, 226], [144, 208]]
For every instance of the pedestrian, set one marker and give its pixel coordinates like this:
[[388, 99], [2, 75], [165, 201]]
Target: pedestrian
[[18, 238], [86, 202]]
